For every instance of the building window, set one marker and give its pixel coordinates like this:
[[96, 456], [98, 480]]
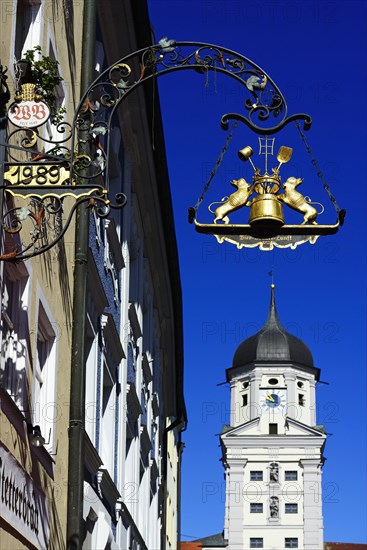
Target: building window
[[290, 542], [13, 339], [157, 372], [256, 542], [108, 391], [256, 475], [131, 361], [244, 400], [256, 508], [148, 318], [136, 267], [273, 429], [301, 400], [44, 385], [28, 26], [291, 508], [144, 405], [291, 475], [91, 352], [108, 388]]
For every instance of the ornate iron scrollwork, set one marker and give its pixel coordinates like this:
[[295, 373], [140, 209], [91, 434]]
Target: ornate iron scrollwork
[[265, 107], [44, 166]]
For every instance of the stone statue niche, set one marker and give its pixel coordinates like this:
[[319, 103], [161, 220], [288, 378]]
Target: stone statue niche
[[274, 507], [274, 472]]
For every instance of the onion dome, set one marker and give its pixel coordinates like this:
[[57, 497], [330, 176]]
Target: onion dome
[[272, 343]]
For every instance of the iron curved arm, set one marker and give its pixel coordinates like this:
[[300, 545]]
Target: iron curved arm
[[266, 110], [307, 120], [90, 133], [156, 60]]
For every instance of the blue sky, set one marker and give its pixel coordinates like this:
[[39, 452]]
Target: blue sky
[[315, 51]]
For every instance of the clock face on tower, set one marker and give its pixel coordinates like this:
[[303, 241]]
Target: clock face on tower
[[273, 399]]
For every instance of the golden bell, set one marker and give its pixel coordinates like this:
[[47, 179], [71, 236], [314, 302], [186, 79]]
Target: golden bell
[[266, 209], [245, 153]]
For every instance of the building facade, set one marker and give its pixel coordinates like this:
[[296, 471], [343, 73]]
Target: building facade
[[36, 320], [216, 541], [134, 405]]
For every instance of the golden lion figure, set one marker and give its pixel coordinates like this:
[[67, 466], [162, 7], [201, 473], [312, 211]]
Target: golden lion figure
[[298, 202], [234, 201]]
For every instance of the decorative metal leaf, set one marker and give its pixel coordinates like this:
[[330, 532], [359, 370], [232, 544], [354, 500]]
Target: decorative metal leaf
[[167, 45], [122, 84], [96, 130], [252, 82]]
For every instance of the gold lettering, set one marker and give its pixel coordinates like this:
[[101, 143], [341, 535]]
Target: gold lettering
[[37, 174]]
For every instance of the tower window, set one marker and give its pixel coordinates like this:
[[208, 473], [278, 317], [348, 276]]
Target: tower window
[[245, 384], [273, 429], [301, 400], [291, 475], [256, 475], [300, 384], [273, 381], [257, 542], [256, 507], [290, 542], [244, 400], [291, 508]]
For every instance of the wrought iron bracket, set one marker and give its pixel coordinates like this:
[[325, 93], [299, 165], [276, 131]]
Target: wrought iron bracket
[[44, 167]]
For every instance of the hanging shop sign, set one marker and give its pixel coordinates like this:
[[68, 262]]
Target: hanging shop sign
[[265, 196], [22, 505], [29, 114], [29, 111]]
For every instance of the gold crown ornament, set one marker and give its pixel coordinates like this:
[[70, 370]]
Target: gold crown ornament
[[27, 92], [266, 183]]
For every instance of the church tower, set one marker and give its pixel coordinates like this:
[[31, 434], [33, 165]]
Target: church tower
[[273, 449]]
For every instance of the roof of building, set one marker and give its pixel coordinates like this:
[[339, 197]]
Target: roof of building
[[272, 343], [214, 541], [344, 546], [202, 543]]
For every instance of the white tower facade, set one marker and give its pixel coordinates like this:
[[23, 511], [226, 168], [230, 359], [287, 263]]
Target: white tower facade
[[273, 449]]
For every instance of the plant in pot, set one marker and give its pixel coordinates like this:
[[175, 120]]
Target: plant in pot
[[42, 71]]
